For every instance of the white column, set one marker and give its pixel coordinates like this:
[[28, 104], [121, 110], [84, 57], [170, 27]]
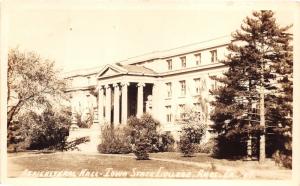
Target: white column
[[140, 99], [108, 104], [116, 104], [124, 102], [100, 104]]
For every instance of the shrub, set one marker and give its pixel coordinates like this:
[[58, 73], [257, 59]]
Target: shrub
[[144, 135], [192, 130], [283, 158], [231, 148], [207, 147], [141, 148], [114, 141], [84, 121], [48, 130], [186, 147], [166, 142]]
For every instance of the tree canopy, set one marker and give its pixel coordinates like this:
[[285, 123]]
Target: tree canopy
[[259, 78], [32, 82], [37, 115]]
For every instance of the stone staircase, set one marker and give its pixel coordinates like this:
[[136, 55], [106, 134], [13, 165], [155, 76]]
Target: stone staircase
[[93, 133]]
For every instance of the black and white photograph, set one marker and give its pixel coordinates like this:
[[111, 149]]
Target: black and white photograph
[[148, 90]]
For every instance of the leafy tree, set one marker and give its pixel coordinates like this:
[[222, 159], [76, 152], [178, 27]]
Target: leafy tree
[[255, 83], [35, 98], [192, 131], [32, 82], [114, 140], [144, 135], [48, 130]]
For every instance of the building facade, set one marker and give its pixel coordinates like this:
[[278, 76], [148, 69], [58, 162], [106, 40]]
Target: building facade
[[161, 83]]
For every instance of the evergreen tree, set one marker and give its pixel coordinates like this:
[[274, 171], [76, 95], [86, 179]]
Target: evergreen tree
[[257, 81]]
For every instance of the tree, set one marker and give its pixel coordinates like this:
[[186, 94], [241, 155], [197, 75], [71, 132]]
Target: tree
[[48, 130], [35, 93], [32, 82], [192, 131], [144, 135], [243, 106]]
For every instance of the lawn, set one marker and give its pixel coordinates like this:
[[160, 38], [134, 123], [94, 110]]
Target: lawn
[[161, 165]]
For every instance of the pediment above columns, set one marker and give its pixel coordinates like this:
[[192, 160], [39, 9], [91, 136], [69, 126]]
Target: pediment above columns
[[111, 70]]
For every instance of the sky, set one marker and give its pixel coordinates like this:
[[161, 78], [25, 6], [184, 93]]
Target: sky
[[80, 35]]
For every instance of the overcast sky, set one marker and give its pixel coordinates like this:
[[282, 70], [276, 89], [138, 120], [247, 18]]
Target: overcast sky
[[78, 35]]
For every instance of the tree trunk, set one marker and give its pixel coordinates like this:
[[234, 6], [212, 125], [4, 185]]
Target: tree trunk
[[262, 142]]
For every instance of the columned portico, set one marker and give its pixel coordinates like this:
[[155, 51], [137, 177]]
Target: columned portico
[[122, 92], [116, 103], [108, 104], [117, 112], [140, 99]]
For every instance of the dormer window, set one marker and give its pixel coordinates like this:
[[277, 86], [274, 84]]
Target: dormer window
[[183, 62]]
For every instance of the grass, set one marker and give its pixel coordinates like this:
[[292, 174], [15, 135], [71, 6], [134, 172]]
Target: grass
[[162, 165], [78, 162], [204, 158]]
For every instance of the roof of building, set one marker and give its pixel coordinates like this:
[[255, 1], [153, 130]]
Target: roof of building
[[138, 69], [130, 63], [203, 45], [83, 72]]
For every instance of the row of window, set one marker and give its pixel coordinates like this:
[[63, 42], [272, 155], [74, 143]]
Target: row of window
[[214, 59], [169, 115], [199, 85]]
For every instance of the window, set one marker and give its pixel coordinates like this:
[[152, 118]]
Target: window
[[169, 89], [104, 113], [169, 61], [198, 58], [197, 85], [254, 109], [214, 56], [183, 88], [183, 62], [182, 111], [89, 80], [169, 113], [214, 85], [197, 107]]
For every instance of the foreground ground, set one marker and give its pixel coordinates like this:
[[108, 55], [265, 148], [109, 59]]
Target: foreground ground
[[161, 165]]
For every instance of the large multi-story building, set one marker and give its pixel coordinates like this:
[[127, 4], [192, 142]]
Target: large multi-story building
[[161, 83]]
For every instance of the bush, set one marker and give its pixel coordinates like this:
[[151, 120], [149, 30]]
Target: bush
[[114, 141], [231, 148], [141, 149], [48, 130], [166, 142], [189, 140], [84, 121], [207, 147], [144, 135], [192, 130]]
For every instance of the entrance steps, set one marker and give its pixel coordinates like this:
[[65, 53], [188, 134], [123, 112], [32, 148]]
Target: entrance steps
[[93, 133]]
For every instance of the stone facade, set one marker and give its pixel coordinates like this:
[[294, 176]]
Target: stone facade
[[161, 83]]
